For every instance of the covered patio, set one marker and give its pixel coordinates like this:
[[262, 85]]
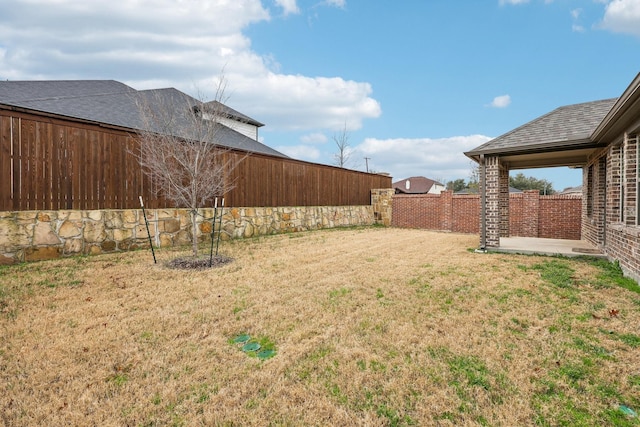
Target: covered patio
[[560, 138]]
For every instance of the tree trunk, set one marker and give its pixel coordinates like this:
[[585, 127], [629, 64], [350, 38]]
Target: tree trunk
[[194, 231]]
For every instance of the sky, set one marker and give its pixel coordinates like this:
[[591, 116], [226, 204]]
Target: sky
[[411, 84]]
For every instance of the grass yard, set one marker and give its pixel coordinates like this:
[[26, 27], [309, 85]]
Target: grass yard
[[363, 327]]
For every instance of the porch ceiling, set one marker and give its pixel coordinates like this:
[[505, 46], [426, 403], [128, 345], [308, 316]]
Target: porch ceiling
[[571, 158]]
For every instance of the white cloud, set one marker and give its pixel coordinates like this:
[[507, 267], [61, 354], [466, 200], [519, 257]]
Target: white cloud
[[314, 138], [441, 158], [295, 102], [622, 16], [300, 152], [501, 101], [575, 13], [336, 3], [503, 2], [182, 44], [288, 6]]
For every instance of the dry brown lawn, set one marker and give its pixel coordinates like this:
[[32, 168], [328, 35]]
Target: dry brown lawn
[[369, 326]]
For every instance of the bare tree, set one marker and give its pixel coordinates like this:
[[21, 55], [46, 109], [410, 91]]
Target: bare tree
[[474, 176], [181, 151], [341, 139]]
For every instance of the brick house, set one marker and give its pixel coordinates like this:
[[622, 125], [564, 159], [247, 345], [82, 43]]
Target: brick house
[[602, 138]]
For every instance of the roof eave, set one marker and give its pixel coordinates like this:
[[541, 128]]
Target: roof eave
[[612, 123], [57, 116], [535, 148]]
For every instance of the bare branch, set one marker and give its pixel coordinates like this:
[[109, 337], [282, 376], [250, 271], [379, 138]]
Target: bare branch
[[341, 139], [181, 151]]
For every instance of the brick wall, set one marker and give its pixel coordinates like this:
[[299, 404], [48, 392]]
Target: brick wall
[[417, 211], [594, 182], [623, 244], [530, 215], [465, 214], [560, 216], [610, 176]]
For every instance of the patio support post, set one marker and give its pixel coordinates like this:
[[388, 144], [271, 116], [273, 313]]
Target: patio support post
[[483, 201], [503, 198], [492, 203]]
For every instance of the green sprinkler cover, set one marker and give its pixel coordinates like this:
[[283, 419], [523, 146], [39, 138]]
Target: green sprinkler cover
[[241, 338], [266, 354], [252, 346]]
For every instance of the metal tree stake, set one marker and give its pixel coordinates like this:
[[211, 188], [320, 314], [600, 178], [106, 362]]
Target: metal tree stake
[[220, 226], [148, 232], [213, 230]]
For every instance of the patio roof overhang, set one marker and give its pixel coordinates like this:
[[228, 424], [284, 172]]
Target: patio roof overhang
[[565, 153], [561, 137]]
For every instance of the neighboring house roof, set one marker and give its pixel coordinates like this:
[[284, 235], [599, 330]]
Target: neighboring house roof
[[417, 185], [572, 190], [108, 102], [466, 191], [233, 114], [566, 128]]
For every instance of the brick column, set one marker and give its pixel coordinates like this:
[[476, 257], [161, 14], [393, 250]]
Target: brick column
[[496, 178], [503, 197], [531, 213], [446, 198]]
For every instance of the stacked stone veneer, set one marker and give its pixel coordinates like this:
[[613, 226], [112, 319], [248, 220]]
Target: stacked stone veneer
[[38, 235], [382, 207]]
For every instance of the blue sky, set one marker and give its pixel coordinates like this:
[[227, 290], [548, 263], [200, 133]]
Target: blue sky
[[415, 82]]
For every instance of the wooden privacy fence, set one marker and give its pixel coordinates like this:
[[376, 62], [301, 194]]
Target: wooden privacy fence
[[53, 164]]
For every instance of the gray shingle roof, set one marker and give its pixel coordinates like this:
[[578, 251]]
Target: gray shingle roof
[[113, 103], [34, 90], [568, 125], [233, 114]]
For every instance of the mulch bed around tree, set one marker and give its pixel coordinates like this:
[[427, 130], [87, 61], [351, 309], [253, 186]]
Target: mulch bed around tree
[[190, 263]]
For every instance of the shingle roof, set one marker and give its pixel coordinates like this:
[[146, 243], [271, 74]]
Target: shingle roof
[[113, 103], [417, 185], [233, 114], [33, 90], [571, 124]]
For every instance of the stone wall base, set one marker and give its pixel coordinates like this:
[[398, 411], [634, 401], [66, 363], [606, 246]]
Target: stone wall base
[[40, 235]]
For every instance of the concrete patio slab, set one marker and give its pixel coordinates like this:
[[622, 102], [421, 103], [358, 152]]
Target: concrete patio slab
[[531, 245]]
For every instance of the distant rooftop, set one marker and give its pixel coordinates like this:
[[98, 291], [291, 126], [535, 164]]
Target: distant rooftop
[[414, 185]]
